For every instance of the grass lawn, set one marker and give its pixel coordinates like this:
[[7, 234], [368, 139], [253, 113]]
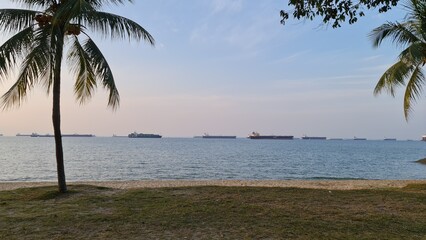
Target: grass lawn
[[88, 212]]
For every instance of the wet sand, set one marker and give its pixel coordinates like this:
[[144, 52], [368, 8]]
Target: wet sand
[[312, 184]]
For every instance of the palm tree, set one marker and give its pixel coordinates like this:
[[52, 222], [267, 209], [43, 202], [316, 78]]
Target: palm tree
[[41, 33], [408, 70]]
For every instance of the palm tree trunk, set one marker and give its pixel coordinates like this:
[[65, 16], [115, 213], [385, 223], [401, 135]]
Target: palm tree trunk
[[56, 114]]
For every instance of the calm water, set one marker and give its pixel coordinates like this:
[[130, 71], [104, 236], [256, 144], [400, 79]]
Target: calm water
[[32, 159]]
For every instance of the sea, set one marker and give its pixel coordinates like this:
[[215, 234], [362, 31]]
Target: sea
[[121, 158]]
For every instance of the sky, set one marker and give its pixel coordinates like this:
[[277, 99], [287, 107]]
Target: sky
[[228, 67]]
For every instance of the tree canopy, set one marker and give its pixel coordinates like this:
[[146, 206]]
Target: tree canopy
[[42, 33], [334, 12], [408, 71]]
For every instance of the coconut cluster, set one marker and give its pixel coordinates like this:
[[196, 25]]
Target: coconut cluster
[[73, 29], [45, 19]]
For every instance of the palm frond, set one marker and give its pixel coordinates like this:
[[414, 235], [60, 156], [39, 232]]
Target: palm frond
[[417, 13], [103, 72], [413, 90], [35, 3], [399, 33], [16, 94], [393, 77], [70, 10], [35, 66], [15, 20], [86, 60], [100, 3], [115, 26], [13, 50], [408, 70], [414, 54], [416, 9], [81, 65]]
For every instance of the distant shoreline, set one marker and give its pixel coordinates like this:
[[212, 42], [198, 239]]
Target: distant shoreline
[[312, 184]]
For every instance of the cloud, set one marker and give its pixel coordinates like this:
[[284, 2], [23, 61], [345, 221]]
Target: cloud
[[381, 68], [361, 82], [245, 35], [371, 58], [292, 58], [227, 5]]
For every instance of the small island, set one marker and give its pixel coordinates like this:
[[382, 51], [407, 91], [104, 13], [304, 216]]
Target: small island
[[422, 161]]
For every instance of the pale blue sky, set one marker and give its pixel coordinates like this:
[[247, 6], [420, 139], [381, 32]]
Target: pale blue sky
[[229, 67]]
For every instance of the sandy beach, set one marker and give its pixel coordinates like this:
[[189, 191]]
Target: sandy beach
[[312, 184]]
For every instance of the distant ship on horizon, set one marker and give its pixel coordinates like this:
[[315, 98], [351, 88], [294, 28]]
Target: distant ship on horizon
[[51, 135], [357, 138], [305, 137], [208, 136], [23, 135], [41, 135], [143, 135], [256, 135], [389, 139], [78, 135], [114, 135]]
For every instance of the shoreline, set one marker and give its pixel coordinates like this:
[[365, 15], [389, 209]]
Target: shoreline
[[311, 184]]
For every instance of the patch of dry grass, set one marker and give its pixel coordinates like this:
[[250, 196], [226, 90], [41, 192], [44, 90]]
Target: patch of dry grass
[[88, 212]]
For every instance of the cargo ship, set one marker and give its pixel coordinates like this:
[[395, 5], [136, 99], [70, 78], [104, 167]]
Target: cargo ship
[[304, 137], [23, 135], [63, 135], [357, 138], [256, 135], [78, 135], [389, 139], [218, 136], [119, 136], [40, 135], [143, 135]]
